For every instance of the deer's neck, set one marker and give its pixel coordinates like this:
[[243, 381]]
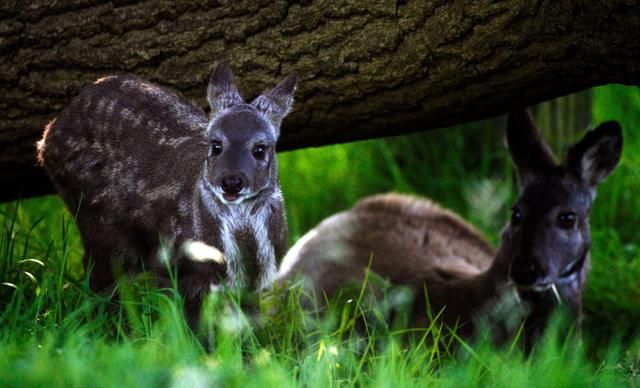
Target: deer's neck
[[535, 307], [241, 231], [488, 297]]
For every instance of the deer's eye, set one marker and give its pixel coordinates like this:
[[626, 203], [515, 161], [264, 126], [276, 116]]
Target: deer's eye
[[259, 151], [567, 220], [216, 148], [516, 216]]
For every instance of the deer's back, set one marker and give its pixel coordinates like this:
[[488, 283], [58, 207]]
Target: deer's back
[[406, 238], [125, 144]]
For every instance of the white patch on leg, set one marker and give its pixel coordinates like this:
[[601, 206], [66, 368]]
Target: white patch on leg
[[201, 252]]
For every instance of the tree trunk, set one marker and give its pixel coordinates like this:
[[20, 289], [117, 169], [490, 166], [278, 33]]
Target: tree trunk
[[367, 68]]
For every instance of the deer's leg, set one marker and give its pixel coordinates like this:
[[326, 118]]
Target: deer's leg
[[108, 251], [99, 257]]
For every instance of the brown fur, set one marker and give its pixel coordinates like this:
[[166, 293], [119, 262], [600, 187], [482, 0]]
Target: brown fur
[[415, 243], [410, 241]]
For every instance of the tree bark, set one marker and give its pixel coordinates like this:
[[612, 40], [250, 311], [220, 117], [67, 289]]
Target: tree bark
[[367, 68]]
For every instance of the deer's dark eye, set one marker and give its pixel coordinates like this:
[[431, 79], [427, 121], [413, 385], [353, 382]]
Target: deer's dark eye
[[567, 220], [259, 151], [516, 216], [216, 148]]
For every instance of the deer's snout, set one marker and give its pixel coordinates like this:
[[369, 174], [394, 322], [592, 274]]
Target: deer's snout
[[232, 184], [525, 272]]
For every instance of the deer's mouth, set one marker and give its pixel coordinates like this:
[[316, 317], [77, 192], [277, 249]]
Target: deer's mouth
[[230, 197], [570, 275], [539, 286]]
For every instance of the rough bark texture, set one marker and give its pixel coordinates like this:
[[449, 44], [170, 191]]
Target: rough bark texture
[[368, 68]]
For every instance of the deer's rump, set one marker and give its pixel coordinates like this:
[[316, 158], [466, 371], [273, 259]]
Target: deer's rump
[[405, 238], [422, 234]]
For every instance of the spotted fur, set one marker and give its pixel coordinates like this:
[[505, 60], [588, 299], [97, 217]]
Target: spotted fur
[[133, 162]]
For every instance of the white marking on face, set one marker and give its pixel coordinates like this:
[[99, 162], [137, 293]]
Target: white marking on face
[[244, 195]]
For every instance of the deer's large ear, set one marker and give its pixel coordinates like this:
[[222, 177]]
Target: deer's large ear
[[222, 93], [594, 157], [277, 103], [529, 152]]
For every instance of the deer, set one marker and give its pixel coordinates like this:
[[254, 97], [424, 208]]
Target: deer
[[154, 183], [542, 259]]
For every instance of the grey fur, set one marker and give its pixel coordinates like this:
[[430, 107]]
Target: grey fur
[[133, 161]]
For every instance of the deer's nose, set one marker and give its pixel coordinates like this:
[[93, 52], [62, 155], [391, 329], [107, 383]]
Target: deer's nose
[[232, 184], [524, 272]]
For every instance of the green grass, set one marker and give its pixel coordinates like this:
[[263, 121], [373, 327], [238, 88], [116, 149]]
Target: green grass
[[54, 332]]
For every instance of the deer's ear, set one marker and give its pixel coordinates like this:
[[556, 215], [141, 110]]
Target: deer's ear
[[276, 103], [222, 93], [529, 152], [594, 157]]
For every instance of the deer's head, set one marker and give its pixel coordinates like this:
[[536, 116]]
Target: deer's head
[[241, 162], [549, 229]]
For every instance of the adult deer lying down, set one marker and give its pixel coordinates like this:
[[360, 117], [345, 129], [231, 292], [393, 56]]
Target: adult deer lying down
[[543, 253], [151, 177]]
